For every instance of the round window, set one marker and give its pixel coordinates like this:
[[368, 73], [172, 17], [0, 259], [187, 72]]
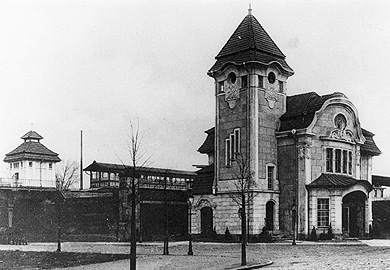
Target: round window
[[232, 78], [271, 77]]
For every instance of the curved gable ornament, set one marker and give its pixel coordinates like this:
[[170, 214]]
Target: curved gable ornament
[[203, 203], [342, 135], [358, 138]]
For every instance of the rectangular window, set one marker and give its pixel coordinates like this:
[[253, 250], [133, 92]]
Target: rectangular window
[[30, 163], [323, 212], [244, 81], [261, 81], [338, 161], [232, 147], [237, 141], [50, 166], [350, 162], [345, 161], [329, 159], [16, 165], [281, 87], [270, 176], [10, 165], [220, 87], [227, 152], [21, 164]]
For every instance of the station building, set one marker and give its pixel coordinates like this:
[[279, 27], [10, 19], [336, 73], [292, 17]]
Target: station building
[[307, 152]]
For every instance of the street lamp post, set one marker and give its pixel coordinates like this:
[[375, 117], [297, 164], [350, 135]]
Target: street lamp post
[[190, 201], [294, 215]]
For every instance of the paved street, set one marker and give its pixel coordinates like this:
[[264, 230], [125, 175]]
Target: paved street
[[369, 254]]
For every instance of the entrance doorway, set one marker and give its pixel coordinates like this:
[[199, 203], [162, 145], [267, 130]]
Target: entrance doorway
[[269, 216], [206, 221], [353, 214]]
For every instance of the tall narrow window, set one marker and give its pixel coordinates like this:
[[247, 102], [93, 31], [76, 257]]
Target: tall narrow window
[[270, 176], [244, 81], [350, 162], [338, 161], [237, 141], [281, 87], [323, 212], [227, 152], [220, 87], [329, 159], [261, 81], [345, 161], [232, 147]]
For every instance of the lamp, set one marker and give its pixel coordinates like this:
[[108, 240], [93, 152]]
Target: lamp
[[190, 201], [294, 214]]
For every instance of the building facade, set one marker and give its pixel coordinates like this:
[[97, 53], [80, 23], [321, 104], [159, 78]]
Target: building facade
[[307, 152], [161, 198]]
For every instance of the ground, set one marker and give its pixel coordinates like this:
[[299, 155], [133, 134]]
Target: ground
[[305, 255]]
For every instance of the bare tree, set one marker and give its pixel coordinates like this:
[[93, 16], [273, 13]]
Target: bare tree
[[66, 175], [134, 175], [243, 182]]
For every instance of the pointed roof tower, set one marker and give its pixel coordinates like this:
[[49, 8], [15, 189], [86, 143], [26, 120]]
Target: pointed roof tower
[[32, 149], [250, 43]]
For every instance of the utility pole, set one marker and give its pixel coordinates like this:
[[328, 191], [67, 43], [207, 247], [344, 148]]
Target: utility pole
[[166, 235], [81, 161]]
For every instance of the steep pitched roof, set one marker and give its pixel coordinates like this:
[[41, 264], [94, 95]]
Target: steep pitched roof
[[327, 180], [203, 183], [378, 180], [31, 135], [300, 109], [31, 150], [208, 145], [250, 42], [369, 147]]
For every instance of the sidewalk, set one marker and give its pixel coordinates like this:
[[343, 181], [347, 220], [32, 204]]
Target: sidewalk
[[211, 256]]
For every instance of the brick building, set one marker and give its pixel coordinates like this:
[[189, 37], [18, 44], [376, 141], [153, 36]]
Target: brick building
[[305, 151]]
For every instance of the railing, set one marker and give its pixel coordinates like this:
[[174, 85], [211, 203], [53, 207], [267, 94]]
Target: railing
[[15, 183]]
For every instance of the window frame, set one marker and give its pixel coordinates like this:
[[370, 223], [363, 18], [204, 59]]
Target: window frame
[[323, 212], [271, 180], [228, 159]]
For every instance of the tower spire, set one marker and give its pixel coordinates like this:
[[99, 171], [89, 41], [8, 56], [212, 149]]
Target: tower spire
[[250, 9]]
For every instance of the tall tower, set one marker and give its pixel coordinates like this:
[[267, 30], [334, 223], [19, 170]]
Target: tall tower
[[250, 76]]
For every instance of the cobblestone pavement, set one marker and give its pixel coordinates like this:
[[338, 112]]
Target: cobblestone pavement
[[305, 255]]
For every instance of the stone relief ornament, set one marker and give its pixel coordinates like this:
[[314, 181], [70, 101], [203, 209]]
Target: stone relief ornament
[[232, 95], [202, 203], [270, 95], [357, 157], [343, 135], [304, 151]]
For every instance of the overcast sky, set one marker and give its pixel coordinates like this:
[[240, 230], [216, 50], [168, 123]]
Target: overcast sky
[[74, 65]]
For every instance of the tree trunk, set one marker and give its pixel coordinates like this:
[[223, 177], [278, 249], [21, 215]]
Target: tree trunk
[[133, 243], [243, 231]]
